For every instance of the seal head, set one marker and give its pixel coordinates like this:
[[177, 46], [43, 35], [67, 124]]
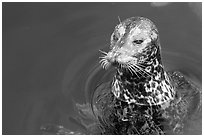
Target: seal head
[[130, 41]]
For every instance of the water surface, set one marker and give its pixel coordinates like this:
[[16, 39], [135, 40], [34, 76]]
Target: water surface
[[50, 56]]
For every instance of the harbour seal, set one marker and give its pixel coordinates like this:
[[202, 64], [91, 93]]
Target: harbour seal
[[135, 50], [142, 98]]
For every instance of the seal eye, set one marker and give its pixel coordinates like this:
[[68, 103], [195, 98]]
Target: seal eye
[[137, 41]]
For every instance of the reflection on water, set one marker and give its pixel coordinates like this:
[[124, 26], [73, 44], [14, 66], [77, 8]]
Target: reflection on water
[[50, 58]]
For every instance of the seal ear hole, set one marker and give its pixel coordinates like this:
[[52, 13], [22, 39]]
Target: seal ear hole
[[138, 41]]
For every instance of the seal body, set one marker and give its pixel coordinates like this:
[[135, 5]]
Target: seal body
[[142, 98]]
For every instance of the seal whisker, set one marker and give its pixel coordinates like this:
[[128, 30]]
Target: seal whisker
[[141, 65], [130, 69], [103, 52], [102, 60], [119, 19], [104, 64], [102, 57], [132, 65], [133, 69], [141, 69], [145, 70]]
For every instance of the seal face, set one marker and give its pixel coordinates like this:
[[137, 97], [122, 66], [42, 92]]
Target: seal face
[[135, 52], [131, 39]]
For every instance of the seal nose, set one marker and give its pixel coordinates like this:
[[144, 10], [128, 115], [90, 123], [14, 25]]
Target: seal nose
[[112, 56]]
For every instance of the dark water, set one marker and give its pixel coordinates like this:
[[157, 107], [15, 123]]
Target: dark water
[[50, 56]]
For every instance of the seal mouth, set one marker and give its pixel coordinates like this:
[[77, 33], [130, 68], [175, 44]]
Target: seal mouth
[[120, 61]]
